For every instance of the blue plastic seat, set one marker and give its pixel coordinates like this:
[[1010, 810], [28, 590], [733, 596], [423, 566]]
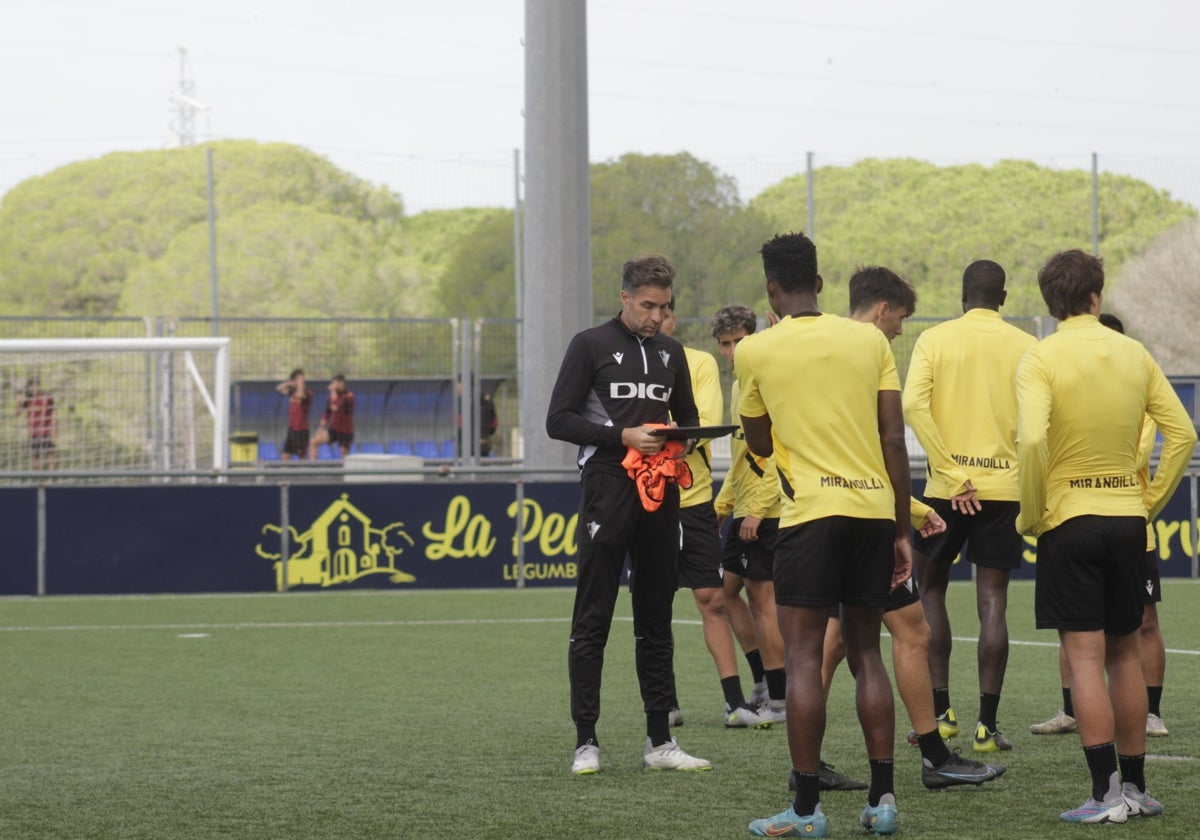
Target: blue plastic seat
[[446, 449], [268, 451], [369, 447], [425, 448], [399, 447], [328, 452]]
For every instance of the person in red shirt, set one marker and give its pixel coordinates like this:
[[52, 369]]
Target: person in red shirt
[[39, 414], [337, 423], [299, 403]]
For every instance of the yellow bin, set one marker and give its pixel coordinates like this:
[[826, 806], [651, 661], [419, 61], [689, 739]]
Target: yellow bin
[[243, 449]]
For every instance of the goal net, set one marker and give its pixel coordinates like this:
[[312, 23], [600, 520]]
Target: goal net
[[114, 404]]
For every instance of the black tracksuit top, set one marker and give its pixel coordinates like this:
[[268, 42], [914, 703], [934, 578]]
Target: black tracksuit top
[[612, 380]]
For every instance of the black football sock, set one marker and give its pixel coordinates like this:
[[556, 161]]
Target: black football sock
[[776, 683], [756, 666], [1068, 708], [732, 686], [933, 748], [808, 793], [941, 701], [1133, 770], [1102, 764], [882, 779], [988, 704], [1154, 695]]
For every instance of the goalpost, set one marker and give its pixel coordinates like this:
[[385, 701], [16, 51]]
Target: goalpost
[[114, 404]]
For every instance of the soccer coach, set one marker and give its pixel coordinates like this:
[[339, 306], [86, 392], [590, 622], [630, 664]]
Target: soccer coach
[[614, 379]]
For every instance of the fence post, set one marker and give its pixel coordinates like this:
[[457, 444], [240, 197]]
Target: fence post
[[285, 536], [520, 535], [41, 539]]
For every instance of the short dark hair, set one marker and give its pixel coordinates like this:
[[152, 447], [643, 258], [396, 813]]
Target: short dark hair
[[790, 260], [871, 284], [647, 270], [731, 318], [296, 372], [339, 377], [983, 284], [1068, 280], [1112, 322]]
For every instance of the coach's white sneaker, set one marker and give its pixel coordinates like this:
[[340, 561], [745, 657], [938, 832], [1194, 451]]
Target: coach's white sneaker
[[587, 760], [668, 756]]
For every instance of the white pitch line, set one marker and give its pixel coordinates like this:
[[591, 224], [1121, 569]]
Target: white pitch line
[[284, 625], [439, 622]]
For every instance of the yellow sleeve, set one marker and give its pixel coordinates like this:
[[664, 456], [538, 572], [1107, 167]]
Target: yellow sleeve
[[1146, 444], [706, 389], [750, 403], [1179, 439], [723, 504], [765, 497], [1033, 444], [916, 512], [918, 413]]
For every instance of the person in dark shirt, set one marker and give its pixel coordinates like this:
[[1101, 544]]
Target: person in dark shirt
[[337, 423], [615, 379], [299, 403]]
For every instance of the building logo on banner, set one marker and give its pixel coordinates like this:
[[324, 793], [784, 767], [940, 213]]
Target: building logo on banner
[[340, 547]]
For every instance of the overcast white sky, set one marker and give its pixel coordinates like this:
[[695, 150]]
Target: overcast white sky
[[426, 95]]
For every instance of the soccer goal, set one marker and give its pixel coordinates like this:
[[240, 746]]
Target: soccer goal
[[114, 404]]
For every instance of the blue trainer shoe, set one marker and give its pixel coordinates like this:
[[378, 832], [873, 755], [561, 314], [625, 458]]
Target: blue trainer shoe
[[791, 824], [1140, 803], [1111, 810], [882, 819]]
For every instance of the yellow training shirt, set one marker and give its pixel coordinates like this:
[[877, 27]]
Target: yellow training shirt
[[1084, 394], [706, 389], [960, 398], [819, 378], [752, 486]]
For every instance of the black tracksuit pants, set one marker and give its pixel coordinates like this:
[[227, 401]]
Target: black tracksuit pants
[[613, 525]]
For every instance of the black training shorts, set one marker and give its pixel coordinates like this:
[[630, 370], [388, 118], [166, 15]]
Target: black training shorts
[[699, 548], [1151, 582], [990, 535], [836, 559], [752, 560], [1090, 575]]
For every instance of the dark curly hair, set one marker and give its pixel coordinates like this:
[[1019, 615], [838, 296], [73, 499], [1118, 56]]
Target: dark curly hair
[[731, 318], [790, 260]]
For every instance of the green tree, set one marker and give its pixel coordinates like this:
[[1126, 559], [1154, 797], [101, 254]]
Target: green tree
[[674, 205], [929, 222], [467, 256], [70, 240]]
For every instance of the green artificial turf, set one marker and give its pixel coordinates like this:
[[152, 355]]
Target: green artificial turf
[[445, 714]]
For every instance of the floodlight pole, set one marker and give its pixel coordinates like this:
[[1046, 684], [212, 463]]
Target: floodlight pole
[[212, 245], [557, 299]]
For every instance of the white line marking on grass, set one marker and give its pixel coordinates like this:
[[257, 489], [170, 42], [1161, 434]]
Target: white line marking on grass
[[975, 640], [437, 622], [285, 625], [1153, 757]]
